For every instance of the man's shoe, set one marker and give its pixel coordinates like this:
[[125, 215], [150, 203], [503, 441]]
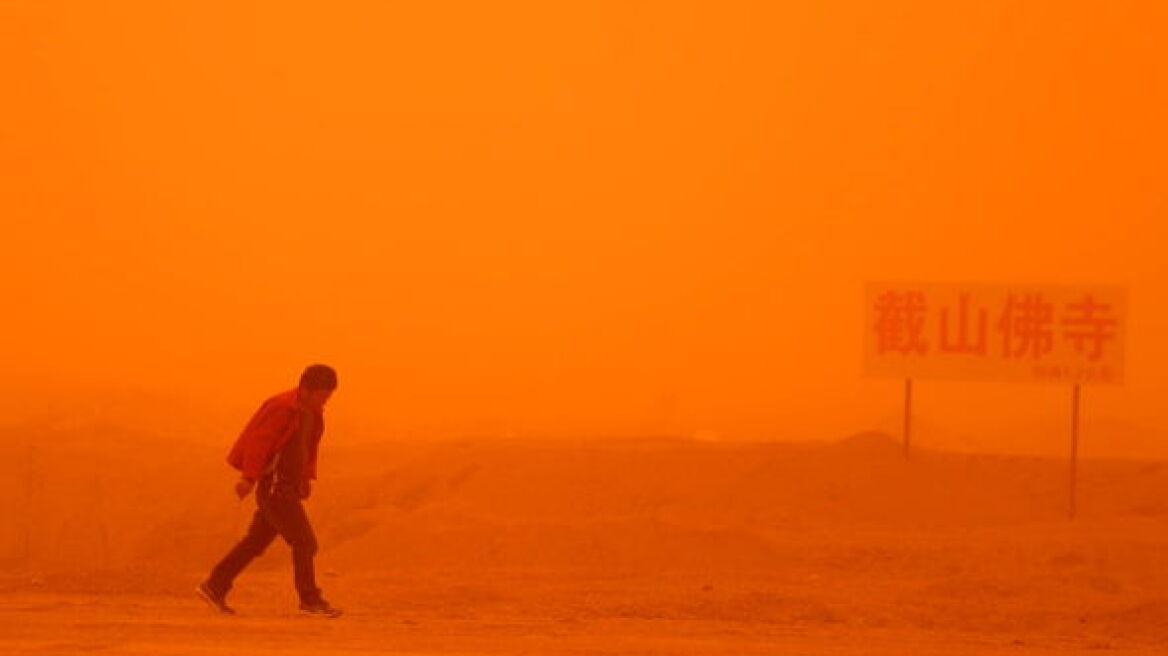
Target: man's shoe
[[320, 608], [216, 601]]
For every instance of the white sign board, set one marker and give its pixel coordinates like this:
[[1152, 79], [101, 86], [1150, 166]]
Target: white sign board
[[995, 332]]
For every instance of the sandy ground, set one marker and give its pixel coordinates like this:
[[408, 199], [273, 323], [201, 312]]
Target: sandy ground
[[522, 615], [73, 624], [631, 547]]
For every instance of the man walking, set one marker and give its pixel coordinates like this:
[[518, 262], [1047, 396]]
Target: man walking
[[276, 456]]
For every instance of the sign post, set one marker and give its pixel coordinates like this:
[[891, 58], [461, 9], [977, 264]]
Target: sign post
[[907, 417], [1074, 452], [1015, 333]]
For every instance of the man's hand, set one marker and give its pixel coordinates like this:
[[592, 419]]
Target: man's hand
[[305, 488], [243, 487]]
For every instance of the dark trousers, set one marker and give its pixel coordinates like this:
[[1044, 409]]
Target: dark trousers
[[278, 512]]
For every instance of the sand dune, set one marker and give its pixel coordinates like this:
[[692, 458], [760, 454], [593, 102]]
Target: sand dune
[[838, 536]]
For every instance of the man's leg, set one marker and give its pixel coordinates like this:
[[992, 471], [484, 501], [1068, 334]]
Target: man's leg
[[259, 535], [291, 521]]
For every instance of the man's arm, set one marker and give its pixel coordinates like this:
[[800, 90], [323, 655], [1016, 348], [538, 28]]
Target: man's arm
[[265, 438], [301, 455], [260, 442]]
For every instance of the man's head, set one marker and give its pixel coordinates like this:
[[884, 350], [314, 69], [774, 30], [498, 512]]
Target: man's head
[[317, 384]]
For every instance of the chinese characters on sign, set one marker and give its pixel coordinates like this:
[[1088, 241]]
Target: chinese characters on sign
[[989, 332]]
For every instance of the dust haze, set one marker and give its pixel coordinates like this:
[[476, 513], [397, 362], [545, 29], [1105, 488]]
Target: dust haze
[[592, 275]]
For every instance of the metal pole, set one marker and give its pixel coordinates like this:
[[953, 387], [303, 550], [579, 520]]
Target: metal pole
[[1074, 449], [26, 538], [907, 416]]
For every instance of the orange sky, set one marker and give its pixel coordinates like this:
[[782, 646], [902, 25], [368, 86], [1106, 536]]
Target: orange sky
[[568, 218]]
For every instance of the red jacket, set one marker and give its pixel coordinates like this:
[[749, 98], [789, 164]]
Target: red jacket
[[269, 430]]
